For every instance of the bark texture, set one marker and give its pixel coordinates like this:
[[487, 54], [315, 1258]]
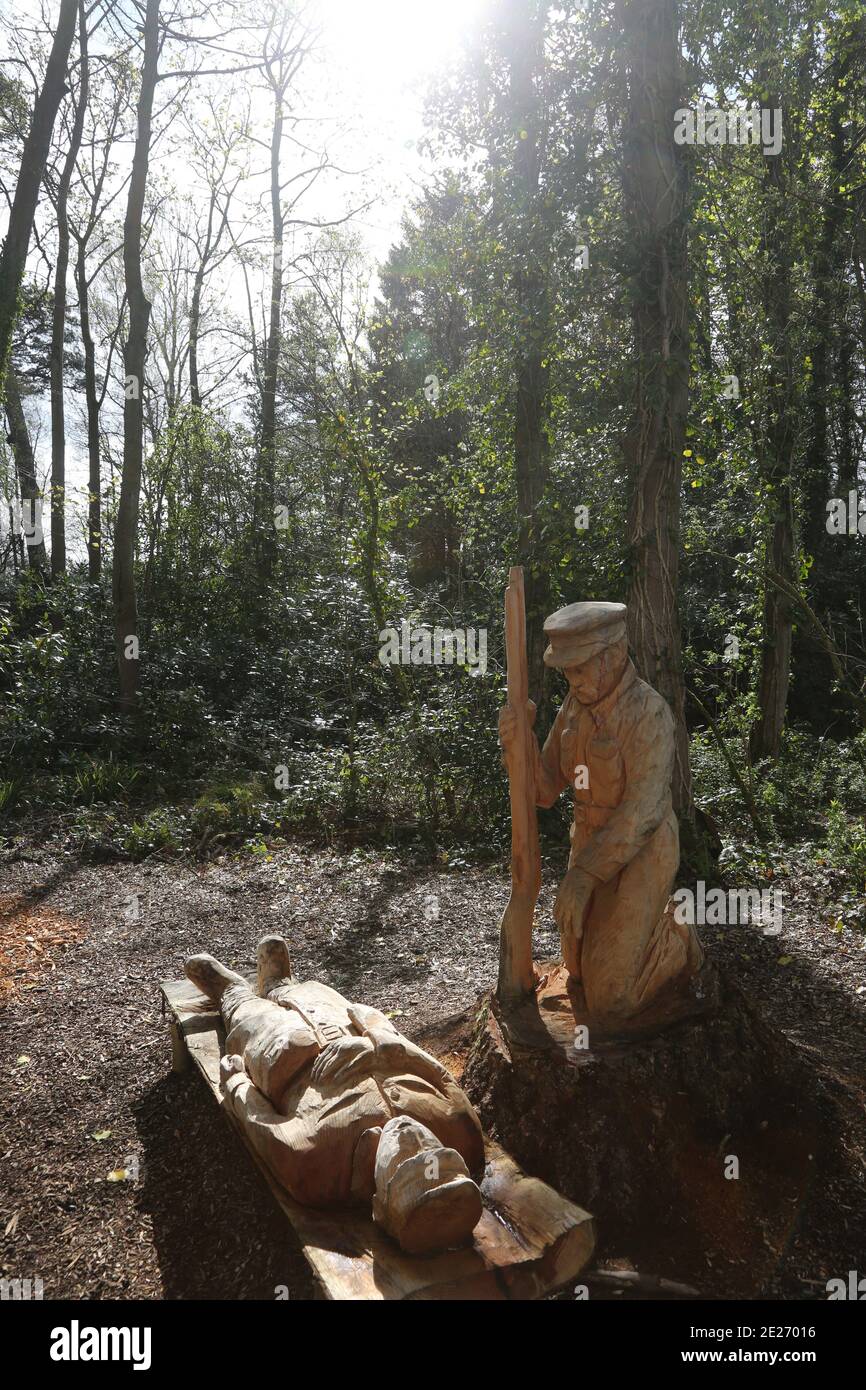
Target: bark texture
[[134, 354], [58, 328], [524, 41], [778, 612], [655, 189], [33, 159]]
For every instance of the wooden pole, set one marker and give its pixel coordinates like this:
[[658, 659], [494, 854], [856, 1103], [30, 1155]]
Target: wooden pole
[[516, 979]]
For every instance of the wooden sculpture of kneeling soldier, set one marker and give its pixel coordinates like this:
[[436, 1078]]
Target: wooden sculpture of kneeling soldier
[[613, 742], [343, 1108]]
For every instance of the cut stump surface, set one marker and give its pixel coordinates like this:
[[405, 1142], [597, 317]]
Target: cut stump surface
[[694, 1148]]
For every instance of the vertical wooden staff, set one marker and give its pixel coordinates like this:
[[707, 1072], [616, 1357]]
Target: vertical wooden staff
[[515, 933]]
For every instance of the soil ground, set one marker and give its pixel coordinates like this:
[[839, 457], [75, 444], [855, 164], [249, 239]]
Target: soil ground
[[89, 1092]]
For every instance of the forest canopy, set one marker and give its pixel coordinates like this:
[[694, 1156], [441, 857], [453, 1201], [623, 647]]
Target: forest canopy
[[253, 462]]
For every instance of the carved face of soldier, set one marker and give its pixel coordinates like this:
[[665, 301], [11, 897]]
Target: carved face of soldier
[[594, 679]]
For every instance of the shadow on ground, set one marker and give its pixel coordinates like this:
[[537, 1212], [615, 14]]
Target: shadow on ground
[[217, 1231]]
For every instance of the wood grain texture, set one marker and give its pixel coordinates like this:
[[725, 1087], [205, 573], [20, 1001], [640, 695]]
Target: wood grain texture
[[528, 1243], [516, 977], [642, 1128]]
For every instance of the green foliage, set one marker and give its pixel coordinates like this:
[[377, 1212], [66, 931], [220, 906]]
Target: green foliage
[[8, 795], [403, 502], [226, 810], [846, 843], [155, 831], [792, 794], [102, 781]]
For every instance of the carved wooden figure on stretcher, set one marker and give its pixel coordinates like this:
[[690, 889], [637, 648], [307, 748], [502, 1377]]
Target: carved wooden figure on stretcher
[[341, 1107]]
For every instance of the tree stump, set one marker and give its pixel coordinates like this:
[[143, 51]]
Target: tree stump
[[693, 1146]]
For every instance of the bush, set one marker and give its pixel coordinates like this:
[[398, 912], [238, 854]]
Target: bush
[[846, 843], [158, 830], [228, 810], [97, 780], [793, 794]]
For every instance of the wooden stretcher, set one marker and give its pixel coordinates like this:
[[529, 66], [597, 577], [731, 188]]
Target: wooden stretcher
[[529, 1242]]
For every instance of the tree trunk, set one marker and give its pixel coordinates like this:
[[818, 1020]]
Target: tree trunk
[[643, 1133], [848, 377], [817, 461], [134, 353], [33, 158], [525, 32], [766, 734], [655, 189], [94, 481], [830, 270], [265, 534], [25, 464], [194, 321], [58, 325]]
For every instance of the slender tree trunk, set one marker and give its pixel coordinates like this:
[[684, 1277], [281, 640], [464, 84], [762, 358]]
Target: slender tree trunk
[[58, 321], [829, 309], [194, 321], [525, 24], [778, 614], [134, 354], [25, 465], [816, 468], [33, 158], [775, 675], [94, 481], [195, 433], [848, 390], [195, 306], [655, 188], [267, 453]]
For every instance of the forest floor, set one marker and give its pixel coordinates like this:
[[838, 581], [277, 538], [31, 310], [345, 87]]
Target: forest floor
[[89, 1092]]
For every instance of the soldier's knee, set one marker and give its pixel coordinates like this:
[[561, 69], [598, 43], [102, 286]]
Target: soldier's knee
[[612, 998]]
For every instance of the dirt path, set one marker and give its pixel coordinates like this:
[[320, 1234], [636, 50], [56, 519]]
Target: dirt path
[[87, 1057]]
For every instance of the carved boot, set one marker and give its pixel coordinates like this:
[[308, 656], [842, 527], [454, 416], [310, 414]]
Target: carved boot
[[274, 964], [211, 976]]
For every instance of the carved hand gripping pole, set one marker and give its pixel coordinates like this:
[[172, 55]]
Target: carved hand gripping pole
[[516, 977]]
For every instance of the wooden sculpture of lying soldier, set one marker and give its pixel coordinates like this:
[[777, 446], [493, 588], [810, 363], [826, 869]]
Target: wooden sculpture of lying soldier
[[613, 742], [343, 1108]]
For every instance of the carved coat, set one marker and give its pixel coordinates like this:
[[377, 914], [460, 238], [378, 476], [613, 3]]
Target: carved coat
[[308, 1129], [625, 834]]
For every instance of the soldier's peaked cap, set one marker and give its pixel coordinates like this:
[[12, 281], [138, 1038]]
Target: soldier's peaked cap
[[576, 633]]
